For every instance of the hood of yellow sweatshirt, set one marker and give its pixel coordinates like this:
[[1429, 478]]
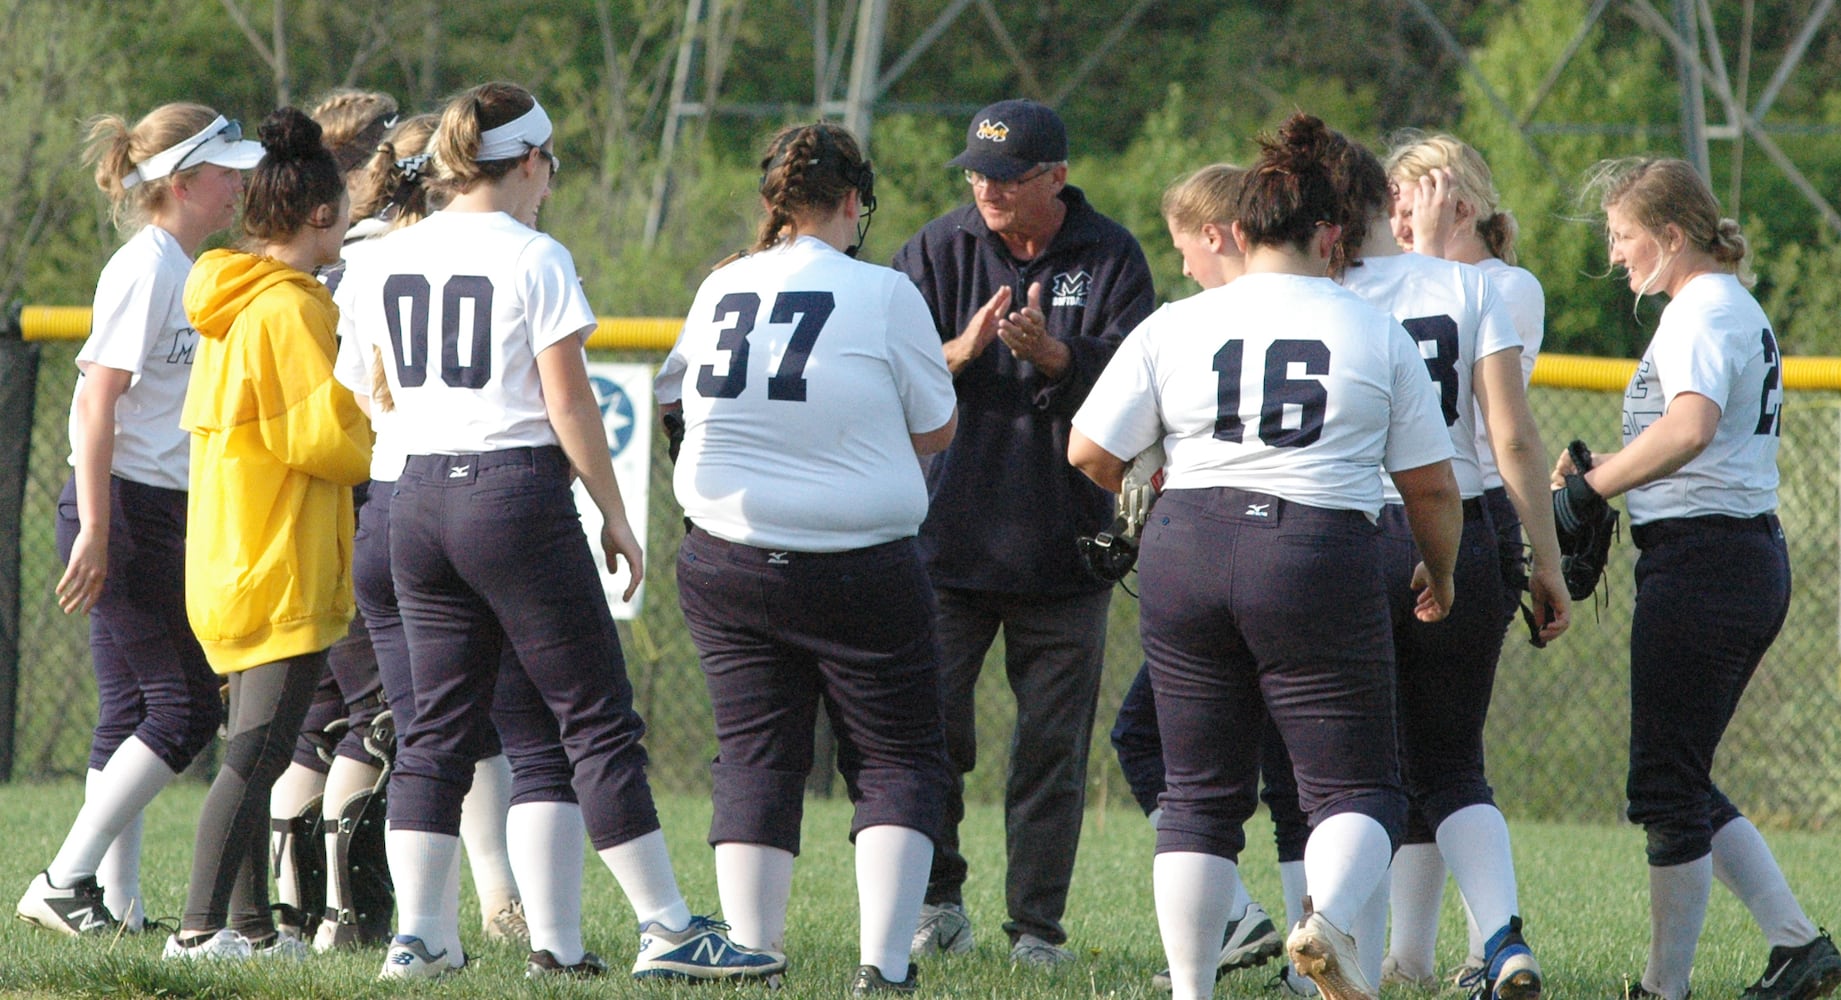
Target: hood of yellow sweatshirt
[[223, 283]]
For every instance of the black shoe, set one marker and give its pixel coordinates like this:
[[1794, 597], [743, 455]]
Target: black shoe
[[1802, 973], [542, 964], [869, 981], [1635, 991]]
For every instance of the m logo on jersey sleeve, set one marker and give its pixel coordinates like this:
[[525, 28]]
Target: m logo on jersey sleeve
[[1070, 288]]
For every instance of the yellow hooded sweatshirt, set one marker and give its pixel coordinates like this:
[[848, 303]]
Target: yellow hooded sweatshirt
[[277, 445]]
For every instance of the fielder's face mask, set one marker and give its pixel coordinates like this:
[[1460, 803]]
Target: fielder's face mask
[[220, 143]]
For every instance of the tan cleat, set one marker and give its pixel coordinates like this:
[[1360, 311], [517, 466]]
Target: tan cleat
[[1327, 956]]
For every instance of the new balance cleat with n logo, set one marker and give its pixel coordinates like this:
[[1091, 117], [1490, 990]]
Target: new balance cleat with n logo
[[1801, 973], [75, 911], [700, 951], [409, 958]]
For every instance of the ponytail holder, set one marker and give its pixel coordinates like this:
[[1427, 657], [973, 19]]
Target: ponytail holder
[[413, 167]]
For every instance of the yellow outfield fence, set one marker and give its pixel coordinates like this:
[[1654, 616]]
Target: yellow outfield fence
[[658, 333]]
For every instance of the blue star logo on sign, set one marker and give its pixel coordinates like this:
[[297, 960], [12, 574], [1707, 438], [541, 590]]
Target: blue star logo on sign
[[616, 412]]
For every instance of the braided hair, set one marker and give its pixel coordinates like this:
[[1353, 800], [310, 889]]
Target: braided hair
[[808, 171]]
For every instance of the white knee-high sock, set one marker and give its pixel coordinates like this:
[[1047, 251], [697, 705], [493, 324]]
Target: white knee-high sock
[[754, 882], [482, 832], [420, 864], [1475, 843], [1477, 940], [642, 866], [1417, 889], [1193, 892], [1745, 865], [892, 867], [130, 780], [1677, 910], [1370, 930], [547, 859], [297, 788], [1242, 899], [347, 780], [119, 871], [1344, 862], [1292, 884]]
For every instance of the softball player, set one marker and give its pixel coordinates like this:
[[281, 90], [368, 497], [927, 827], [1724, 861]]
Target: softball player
[[277, 445], [1199, 211], [809, 381], [1447, 668], [339, 747], [121, 518], [1699, 467], [1446, 206], [390, 189], [485, 320], [1261, 568]]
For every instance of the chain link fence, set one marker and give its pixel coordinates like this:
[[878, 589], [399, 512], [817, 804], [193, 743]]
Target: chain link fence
[[1558, 728]]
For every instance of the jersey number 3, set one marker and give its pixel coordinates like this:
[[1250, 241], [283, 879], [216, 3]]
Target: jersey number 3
[[788, 383]]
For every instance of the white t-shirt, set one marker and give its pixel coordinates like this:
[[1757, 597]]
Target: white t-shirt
[[140, 327], [352, 367], [802, 374], [1456, 317], [1276, 383], [1714, 340], [1520, 291], [462, 303]]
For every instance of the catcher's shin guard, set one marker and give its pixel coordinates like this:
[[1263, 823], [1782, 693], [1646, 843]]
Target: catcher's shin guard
[[297, 846], [362, 898]]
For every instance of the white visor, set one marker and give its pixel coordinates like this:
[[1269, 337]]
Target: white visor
[[220, 142], [516, 137]]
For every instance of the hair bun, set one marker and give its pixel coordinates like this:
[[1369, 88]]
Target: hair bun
[[288, 134]]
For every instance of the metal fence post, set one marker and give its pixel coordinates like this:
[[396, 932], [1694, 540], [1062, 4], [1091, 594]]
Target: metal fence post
[[18, 388]]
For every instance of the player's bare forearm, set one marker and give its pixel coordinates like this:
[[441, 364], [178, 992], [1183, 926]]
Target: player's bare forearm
[[1661, 450]]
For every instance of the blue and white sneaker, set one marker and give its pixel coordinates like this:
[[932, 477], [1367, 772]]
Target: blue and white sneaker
[[700, 951], [1512, 973], [409, 958]]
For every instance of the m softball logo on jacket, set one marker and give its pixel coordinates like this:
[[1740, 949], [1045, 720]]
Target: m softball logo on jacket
[[1070, 288], [993, 131]]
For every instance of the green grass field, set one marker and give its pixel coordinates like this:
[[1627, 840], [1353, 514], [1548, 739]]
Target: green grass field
[[1583, 894]]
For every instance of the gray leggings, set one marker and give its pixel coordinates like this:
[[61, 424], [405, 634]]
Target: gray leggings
[[229, 885]]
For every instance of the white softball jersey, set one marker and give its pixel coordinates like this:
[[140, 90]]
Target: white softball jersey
[[462, 303], [1713, 339], [1281, 384], [1455, 317], [139, 326], [353, 365], [802, 373], [1520, 292]]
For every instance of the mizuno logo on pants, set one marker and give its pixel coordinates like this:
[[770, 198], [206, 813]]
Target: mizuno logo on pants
[[458, 472]]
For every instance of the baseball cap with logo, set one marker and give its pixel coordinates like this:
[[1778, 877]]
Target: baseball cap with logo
[[1007, 139]]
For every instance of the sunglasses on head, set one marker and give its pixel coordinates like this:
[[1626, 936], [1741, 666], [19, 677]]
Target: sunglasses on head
[[230, 134]]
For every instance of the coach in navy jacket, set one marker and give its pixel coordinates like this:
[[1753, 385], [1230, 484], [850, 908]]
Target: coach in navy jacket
[[1032, 290]]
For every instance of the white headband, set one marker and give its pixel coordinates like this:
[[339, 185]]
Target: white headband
[[516, 137], [220, 142]]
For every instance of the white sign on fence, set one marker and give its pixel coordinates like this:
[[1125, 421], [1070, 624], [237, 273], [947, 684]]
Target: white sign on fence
[[624, 392]]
